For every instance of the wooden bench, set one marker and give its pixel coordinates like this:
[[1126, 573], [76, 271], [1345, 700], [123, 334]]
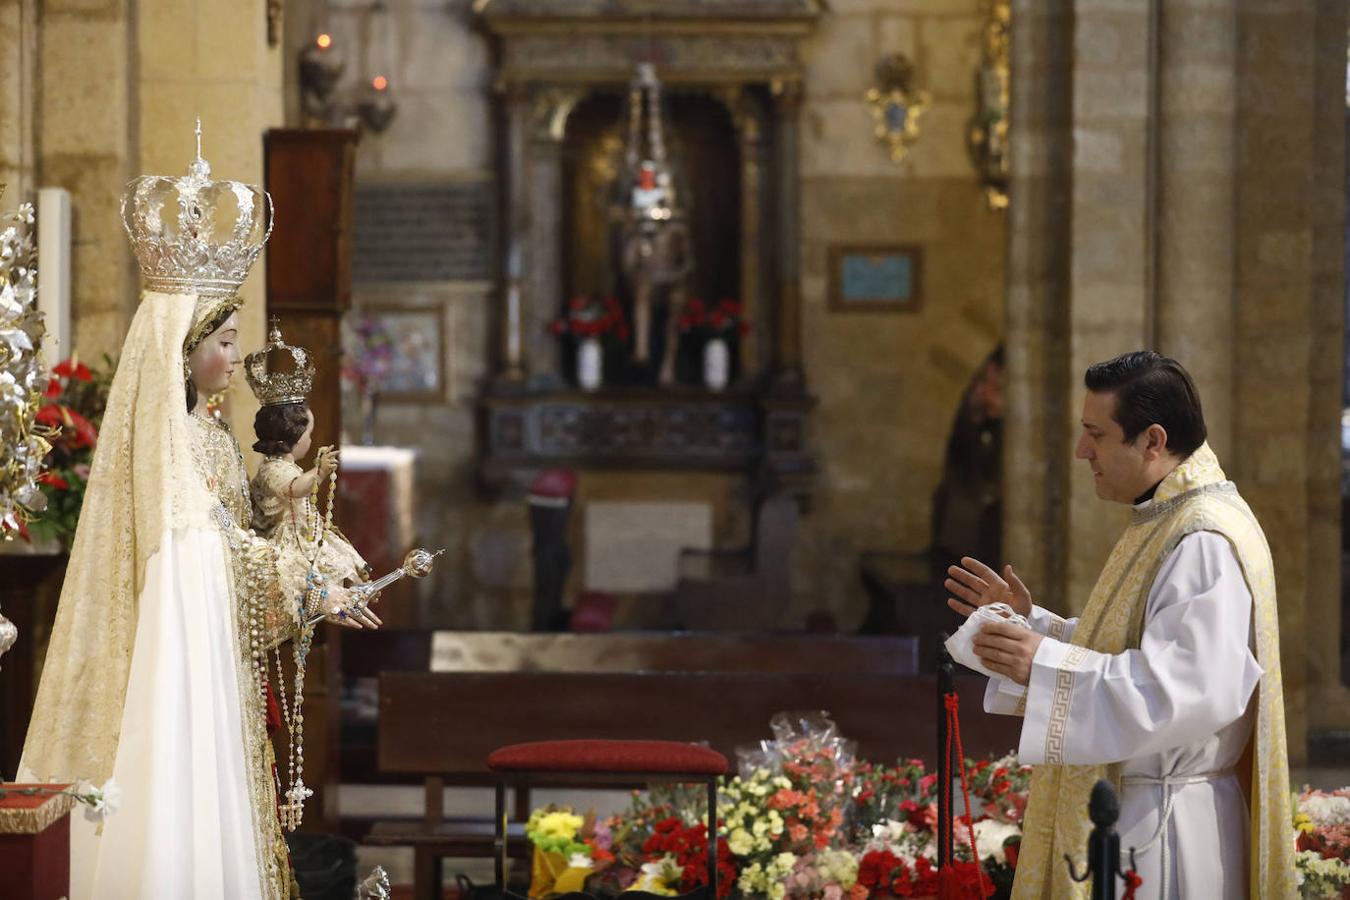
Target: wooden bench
[[442, 726], [365, 654]]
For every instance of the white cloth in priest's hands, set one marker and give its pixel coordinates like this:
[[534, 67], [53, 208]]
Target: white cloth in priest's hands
[[961, 644]]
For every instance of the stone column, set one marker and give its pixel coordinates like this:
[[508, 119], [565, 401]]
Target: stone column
[[511, 362], [18, 87], [750, 134], [1290, 314], [788, 377], [542, 297], [1109, 269], [1036, 460], [1196, 158], [1328, 697]]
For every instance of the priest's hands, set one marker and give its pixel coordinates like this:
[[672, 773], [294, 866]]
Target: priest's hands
[[975, 584], [1007, 649]]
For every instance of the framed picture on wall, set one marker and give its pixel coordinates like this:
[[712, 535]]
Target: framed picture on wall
[[408, 343], [875, 277]]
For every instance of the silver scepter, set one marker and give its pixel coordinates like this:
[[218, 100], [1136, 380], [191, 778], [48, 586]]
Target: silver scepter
[[417, 564]]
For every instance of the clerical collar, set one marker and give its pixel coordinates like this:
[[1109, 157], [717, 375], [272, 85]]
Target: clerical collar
[[1147, 495]]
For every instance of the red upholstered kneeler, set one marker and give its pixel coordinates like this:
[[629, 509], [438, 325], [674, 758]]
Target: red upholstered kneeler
[[606, 762], [35, 843]]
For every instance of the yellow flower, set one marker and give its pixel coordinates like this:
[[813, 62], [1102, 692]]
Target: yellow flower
[[740, 842], [559, 824]]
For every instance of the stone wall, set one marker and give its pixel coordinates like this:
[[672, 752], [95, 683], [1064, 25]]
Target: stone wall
[[85, 143], [889, 383]]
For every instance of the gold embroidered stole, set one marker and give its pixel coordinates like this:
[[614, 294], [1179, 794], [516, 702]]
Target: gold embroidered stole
[[1195, 497]]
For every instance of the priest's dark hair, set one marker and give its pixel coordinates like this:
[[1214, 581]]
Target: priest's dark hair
[[278, 427], [1149, 388]]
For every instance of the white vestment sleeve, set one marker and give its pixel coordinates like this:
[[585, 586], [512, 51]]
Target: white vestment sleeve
[[1004, 696], [1043, 621], [1192, 675]]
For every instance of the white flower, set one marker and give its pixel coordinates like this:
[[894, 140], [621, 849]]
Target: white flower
[[101, 802], [112, 797], [579, 861], [1326, 810], [989, 838]]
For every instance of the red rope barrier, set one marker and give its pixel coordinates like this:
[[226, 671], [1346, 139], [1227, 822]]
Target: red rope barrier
[[949, 886]]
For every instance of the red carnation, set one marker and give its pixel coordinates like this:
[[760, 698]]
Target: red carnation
[[71, 368], [54, 480]]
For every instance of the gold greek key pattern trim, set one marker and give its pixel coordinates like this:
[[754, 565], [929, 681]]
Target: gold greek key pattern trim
[[1059, 705], [1058, 628]]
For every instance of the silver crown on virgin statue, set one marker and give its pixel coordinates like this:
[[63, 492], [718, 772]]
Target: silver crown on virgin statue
[[271, 387], [192, 235]]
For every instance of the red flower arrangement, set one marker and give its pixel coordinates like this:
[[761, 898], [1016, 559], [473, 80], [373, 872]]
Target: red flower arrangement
[[722, 320], [688, 844], [587, 317], [76, 396]]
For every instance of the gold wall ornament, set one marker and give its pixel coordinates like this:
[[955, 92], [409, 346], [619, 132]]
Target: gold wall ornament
[[987, 134], [897, 105]]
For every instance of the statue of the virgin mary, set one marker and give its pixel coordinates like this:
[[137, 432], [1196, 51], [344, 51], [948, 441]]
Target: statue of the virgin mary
[[155, 673]]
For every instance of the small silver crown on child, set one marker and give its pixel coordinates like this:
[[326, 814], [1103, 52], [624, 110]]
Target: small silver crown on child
[[192, 235], [271, 387]]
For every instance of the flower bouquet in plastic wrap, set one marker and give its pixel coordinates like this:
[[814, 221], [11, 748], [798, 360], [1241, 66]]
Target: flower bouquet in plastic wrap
[[566, 851]]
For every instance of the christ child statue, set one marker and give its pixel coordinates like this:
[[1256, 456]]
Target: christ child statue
[[286, 496]]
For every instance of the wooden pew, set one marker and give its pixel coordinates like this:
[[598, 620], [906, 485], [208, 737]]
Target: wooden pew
[[442, 726], [365, 654]]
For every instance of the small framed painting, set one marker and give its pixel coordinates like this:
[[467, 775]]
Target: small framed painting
[[404, 347], [880, 278]]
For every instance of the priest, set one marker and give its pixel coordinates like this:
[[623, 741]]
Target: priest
[[1169, 683]]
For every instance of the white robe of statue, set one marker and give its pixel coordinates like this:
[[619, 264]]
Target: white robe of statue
[[1177, 709]]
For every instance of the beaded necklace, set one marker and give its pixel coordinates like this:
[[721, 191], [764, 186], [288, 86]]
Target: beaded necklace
[[292, 711]]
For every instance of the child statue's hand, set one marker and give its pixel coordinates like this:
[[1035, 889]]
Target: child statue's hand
[[327, 461]]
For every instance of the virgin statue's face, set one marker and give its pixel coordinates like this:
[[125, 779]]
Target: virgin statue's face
[[212, 362]]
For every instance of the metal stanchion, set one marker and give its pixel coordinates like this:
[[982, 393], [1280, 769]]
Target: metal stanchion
[[1104, 847], [945, 685]]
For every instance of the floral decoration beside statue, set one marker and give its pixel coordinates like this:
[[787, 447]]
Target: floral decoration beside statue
[[73, 409], [23, 440]]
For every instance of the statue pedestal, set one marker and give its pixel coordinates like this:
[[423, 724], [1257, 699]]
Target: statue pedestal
[[35, 844]]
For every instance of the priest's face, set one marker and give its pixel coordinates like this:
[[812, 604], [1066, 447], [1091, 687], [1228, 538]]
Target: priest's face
[[212, 362], [1120, 468]]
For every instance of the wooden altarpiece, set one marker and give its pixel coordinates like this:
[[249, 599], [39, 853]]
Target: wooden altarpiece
[[552, 57]]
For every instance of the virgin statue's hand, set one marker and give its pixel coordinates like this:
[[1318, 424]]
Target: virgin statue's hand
[[974, 584], [346, 613]]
